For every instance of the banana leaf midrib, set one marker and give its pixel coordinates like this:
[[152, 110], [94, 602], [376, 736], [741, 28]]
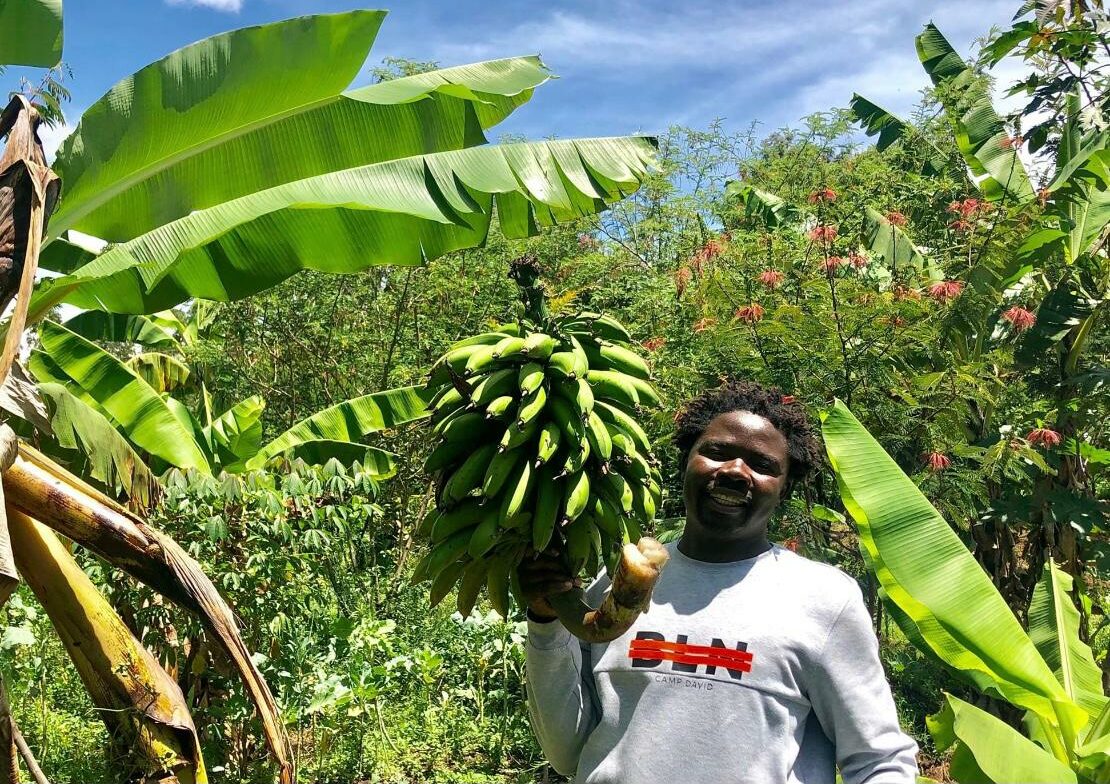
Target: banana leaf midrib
[[66, 219]]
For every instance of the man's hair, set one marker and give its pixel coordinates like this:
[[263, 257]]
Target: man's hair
[[788, 417]]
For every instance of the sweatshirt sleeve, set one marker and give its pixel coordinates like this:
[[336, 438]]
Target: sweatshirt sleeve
[[561, 697], [852, 700]]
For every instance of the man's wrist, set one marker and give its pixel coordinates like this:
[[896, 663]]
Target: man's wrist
[[536, 617]]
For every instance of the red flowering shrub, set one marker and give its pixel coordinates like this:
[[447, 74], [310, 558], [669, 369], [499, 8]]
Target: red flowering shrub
[[701, 325], [655, 343], [822, 233], [750, 314], [946, 290], [771, 278], [1043, 436], [1020, 318], [822, 195], [895, 218], [937, 461]]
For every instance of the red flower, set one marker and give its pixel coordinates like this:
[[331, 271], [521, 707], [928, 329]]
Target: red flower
[[945, 290], [682, 279], [967, 208], [750, 314], [858, 260], [771, 278], [961, 226], [1043, 436], [1011, 142], [822, 195], [788, 399], [1020, 318], [707, 252], [830, 264], [655, 343], [904, 292], [896, 321], [937, 462], [895, 218], [791, 544], [701, 325], [1043, 195], [822, 233]]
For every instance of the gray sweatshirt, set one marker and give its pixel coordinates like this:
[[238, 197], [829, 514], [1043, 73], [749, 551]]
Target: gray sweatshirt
[[764, 671]]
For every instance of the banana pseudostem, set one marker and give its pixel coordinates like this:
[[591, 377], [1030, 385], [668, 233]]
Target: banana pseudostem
[[633, 581]]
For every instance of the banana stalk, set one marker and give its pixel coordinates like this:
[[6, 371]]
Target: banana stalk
[[11, 744], [633, 581], [142, 706], [36, 485]]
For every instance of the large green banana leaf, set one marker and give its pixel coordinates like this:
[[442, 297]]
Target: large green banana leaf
[[206, 125], [1054, 629], [236, 435], [1067, 306], [938, 587], [395, 212], [981, 136], [877, 121], [140, 412], [31, 32], [763, 206], [108, 456], [115, 328], [896, 249], [989, 750], [378, 463], [350, 420]]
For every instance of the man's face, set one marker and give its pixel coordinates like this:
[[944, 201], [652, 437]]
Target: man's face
[[735, 477]]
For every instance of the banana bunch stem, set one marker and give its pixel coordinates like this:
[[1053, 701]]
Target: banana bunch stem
[[633, 581]]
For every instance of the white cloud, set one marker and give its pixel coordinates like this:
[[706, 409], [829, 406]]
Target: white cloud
[[52, 138], [229, 6]]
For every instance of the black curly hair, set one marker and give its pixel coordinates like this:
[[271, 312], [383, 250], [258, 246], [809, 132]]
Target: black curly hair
[[788, 417]]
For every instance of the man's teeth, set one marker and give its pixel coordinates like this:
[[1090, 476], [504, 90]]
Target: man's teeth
[[728, 499]]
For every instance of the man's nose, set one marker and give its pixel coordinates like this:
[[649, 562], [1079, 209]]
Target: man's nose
[[736, 468]]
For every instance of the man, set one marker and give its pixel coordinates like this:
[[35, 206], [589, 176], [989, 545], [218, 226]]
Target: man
[[750, 659]]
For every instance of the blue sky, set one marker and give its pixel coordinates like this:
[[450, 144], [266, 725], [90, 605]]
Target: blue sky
[[626, 66]]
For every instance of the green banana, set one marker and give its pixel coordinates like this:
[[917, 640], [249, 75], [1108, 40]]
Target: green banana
[[561, 365], [517, 490], [549, 497], [481, 360], [443, 582], [576, 497], [500, 469], [611, 385], [601, 326], [634, 468], [615, 416], [463, 517], [508, 347], [622, 442], [472, 581], [500, 408], [647, 394], [515, 436], [497, 583], [619, 493], [530, 378], [440, 556], [579, 393], [531, 406], [643, 503], [468, 428], [539, 346], [494, 385], [625, 360], [445, 454], [567, 418], [576, 460], [427, 523], [485, 534], [598, 436], [578, 542], [548, 444], [468, 476], [606, 517]]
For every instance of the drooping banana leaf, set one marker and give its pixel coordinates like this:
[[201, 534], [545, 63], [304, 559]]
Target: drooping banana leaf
[[996, 750], [141, 704], [106, 455], [350, 420], [981, 136], [208, 124], [882, 237], [877, 121], [77, 510], [378, 463], [139, 410], [1069, 305], [762, 206], [31, 32], [1054, 629], [929, 574], [397, 212], [236, 435], [164, 373], [96, 325]]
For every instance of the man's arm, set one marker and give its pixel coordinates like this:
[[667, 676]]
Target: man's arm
[[851, 698], [560, 693]]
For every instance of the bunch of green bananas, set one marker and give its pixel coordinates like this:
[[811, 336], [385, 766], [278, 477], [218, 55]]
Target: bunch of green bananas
[[538, 444]]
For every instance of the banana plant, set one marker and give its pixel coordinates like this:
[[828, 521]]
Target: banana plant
[[215, 173], [948, 608], [31, 32]]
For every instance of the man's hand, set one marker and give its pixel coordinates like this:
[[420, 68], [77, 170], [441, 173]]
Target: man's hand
[[542, 575]]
